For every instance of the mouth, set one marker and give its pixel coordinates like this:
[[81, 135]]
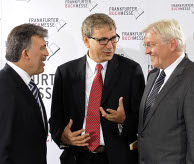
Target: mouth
[[43, 63], [108, 52]]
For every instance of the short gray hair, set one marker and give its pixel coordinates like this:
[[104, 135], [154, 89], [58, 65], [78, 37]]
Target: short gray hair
[[97, 21], [167, 30], [20, 38]]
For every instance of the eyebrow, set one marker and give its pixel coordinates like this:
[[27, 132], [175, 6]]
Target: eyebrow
[[108, 38]]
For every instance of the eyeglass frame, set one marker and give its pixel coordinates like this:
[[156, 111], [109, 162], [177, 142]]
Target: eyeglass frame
[[117, 36], [150, 45]]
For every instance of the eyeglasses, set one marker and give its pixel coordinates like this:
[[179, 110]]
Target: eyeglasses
[[104, 41], [150, 45]]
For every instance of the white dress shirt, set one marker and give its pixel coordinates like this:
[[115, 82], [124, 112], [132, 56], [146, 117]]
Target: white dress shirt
[[24, 75], [90, 74], [169, 70]]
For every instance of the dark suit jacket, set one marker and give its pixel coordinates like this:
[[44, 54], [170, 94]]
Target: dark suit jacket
[[167, 137], [23, 136], [124, 78]]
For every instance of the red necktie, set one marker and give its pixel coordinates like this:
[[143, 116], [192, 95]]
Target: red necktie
[[93, 112]]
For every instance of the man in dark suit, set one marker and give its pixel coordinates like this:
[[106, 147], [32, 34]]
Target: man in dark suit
[[75, 111], [166, 118], [23, 122]]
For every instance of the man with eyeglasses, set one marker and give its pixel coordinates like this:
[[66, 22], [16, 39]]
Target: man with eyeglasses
[[166, 115], [94, 113]]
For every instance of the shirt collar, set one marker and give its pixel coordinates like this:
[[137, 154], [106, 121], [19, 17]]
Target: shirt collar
[[24, 75], [92, 64], [172, 67]]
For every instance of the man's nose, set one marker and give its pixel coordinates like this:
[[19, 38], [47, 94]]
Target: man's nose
[[46, 52], [109, 44], [147, 50]]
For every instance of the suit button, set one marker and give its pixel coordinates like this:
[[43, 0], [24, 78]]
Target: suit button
[[142, 135]]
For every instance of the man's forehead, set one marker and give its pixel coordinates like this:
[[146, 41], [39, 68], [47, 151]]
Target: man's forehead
[[151, 36], [104, 30]]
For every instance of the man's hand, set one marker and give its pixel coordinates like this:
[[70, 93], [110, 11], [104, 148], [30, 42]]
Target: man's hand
[[74, 138], [115, 115]]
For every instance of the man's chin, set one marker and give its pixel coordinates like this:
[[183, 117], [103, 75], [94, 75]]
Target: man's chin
[[39, 71], [109, 56]]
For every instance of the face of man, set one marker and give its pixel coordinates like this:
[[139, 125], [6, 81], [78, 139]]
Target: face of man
[[159, 52], [101, 53], [37, 55]]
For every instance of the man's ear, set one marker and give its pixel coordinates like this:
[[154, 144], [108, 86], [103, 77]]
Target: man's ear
[[86, 41], [173, 44], [25, 54]]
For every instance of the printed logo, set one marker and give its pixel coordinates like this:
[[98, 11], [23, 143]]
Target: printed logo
[[132, 35], [56, 23], [183, 7], [52, 49], [135, 11], [80, 4], [46, 80]]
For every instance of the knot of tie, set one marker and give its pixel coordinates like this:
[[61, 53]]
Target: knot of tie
[[99, 67], [32, 85], [162, 74]]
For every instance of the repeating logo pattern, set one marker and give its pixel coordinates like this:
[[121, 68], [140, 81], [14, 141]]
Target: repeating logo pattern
[[135, 11], [46, 82], [183, 7], [48, 22], [80, 4], [53, 48], [132, 36]]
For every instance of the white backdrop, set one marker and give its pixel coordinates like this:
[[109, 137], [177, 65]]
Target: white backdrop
[[63, 19]]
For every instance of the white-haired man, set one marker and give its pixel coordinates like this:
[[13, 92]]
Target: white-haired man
[[166, 124]]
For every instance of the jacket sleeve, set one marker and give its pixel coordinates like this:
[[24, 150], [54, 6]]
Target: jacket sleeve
[[7, 113], [188, 108], [57, 120], [137, 88]]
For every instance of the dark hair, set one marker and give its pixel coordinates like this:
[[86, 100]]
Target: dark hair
[[97, 20], [20, 38]]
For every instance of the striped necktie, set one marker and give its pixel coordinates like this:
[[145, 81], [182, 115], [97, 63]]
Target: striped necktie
[[153, 94], [34, 90]]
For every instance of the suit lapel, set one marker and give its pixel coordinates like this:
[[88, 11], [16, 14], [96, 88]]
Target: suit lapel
[[81, 82], [44, 115], [26, 91], [174, 78], [111, 78], [147, 90]]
